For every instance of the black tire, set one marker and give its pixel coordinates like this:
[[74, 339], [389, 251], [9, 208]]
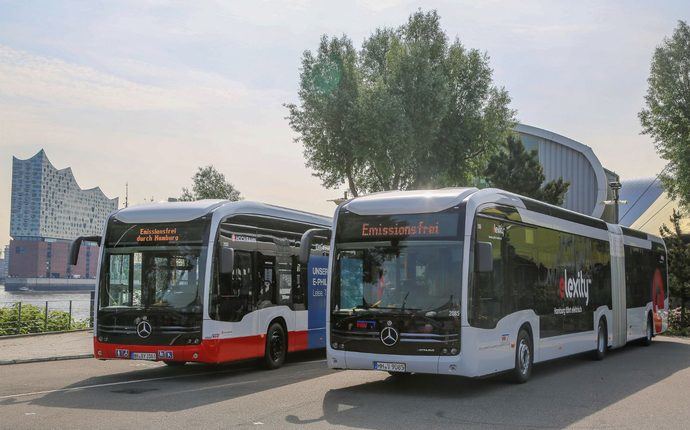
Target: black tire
[[524, 357], [175, 363], [276, 347], [649, 332], [602, 340]]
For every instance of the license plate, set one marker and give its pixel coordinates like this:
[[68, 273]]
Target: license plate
[[143, 356], [389, 367]]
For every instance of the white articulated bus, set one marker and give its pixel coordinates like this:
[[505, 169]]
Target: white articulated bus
[[475, 282], [210, 281]]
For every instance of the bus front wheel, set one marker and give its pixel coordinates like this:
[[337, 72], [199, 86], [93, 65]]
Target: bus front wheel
[[276, 346], [523, 357]]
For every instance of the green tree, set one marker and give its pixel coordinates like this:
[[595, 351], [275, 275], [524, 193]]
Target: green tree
[[678, 267], [514, 169], [409, 110], [208, 183], [666, 117]]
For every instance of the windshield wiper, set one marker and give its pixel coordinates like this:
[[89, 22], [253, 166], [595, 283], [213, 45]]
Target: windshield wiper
[[402, 308]]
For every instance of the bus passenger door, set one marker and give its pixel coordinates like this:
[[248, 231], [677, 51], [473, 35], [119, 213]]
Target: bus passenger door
[[266, 289], [233, 307]]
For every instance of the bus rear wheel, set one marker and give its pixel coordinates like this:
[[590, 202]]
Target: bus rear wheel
[[523, 357], [649, 332], [276, 347], [600, 352]]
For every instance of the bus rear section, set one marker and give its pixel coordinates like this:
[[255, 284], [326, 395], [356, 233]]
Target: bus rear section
[[472, 283], [209, 282]]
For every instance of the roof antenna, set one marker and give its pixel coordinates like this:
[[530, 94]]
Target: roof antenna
[[126, 194]]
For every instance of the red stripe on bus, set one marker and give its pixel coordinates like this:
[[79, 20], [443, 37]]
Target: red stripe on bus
[[208, 351]]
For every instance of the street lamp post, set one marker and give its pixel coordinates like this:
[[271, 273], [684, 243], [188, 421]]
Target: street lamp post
[[615, 187]]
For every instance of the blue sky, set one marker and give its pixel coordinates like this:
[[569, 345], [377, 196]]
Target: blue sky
[[145, 91]]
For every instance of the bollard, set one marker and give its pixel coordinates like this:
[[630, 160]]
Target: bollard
[[69, 323], [19, 318], [45, 318], [91, 308]]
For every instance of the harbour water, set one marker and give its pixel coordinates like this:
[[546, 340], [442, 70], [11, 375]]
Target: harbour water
[[56, 301]]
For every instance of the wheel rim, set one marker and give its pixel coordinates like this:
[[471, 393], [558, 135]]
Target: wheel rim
[[601, 339], [523, 357], [276, 346]]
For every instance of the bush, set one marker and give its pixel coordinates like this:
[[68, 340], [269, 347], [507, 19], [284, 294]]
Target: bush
[[675, 327], [33, 320]]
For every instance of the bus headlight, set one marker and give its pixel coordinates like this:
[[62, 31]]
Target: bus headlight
[[335, 345], [453, 351]]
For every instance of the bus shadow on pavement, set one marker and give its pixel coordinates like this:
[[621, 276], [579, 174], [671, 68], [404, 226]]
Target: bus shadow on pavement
[[162, 388], [559, 394]]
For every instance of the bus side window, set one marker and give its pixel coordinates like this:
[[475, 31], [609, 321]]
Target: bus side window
[[234, 298], [488, 293], [266, 295], [285, 282], [299, 277]]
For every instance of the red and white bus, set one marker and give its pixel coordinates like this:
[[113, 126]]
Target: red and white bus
[[209, 281]]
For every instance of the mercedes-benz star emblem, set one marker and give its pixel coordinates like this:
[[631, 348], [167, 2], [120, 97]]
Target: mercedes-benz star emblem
[[144, 329], [389, 336]]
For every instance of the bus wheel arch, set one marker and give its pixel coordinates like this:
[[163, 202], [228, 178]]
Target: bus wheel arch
[[602, 338], [648, 330], [524, 353], [276, 337]]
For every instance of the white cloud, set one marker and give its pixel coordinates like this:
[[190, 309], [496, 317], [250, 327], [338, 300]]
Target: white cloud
[[56, 82]]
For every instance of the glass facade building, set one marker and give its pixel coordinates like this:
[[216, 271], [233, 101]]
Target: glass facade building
[[48, 211]]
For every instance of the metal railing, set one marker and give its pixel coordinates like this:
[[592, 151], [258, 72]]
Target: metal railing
[[40, 316]]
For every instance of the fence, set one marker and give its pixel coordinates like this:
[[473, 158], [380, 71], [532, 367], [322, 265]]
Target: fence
[[39, 316]]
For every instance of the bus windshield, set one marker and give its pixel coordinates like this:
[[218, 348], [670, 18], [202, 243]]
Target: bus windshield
[[154, 266], [144, 277], [407, 275]]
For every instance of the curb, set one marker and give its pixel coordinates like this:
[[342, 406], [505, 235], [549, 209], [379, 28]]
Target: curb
[[44, 359], [47, 333]]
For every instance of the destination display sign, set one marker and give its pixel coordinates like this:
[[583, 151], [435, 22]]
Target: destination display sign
[[164, 234], [354, 228]]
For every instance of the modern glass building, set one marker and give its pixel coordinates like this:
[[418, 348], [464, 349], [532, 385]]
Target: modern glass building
[[48, 210]]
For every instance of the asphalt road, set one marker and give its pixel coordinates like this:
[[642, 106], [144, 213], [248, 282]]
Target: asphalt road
[[635, 387]]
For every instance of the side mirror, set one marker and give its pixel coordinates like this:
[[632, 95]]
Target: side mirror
[[227, 260], [484, 258], [307, 240], [76, 246]]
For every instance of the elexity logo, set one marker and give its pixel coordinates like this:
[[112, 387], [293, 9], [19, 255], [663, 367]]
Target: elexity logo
[[574, 287]]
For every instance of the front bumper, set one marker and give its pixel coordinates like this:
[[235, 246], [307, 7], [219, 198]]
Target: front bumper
[[113, 351], [436, 365]]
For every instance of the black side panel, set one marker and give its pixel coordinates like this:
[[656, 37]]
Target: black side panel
[[563, 277], [545, 209], [634, 233]]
